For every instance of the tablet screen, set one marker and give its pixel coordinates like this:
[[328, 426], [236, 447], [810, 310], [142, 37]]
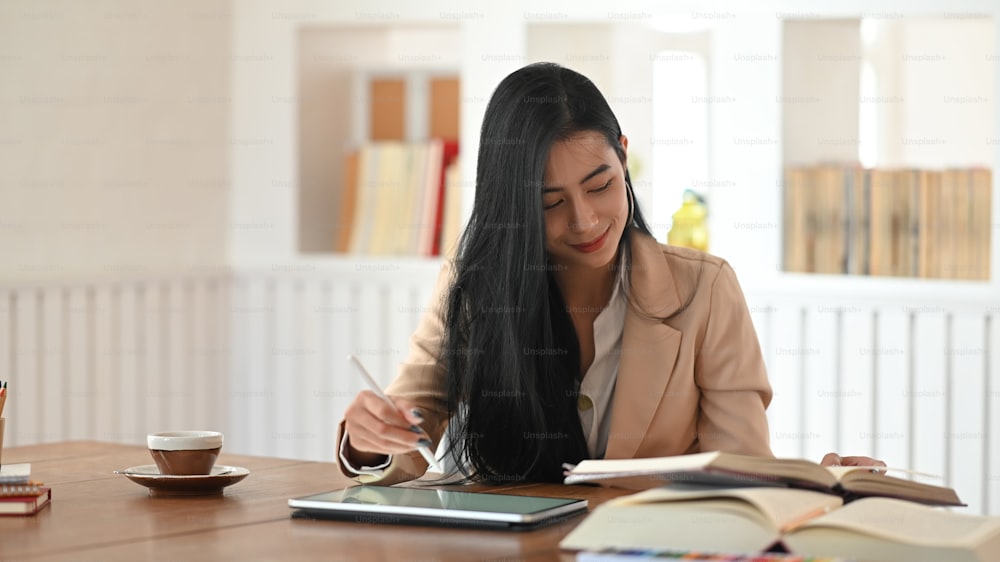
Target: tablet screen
[[440, 503]]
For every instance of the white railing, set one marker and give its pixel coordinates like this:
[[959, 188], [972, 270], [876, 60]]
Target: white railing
[[257, 353], [291, 333], [896, 370], [905, 376], [110, 360]]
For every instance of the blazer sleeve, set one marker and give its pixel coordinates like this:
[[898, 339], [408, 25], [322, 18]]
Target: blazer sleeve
[[732, 376], [421, 379]]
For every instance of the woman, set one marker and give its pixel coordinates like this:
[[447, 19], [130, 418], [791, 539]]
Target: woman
[[563, 330]]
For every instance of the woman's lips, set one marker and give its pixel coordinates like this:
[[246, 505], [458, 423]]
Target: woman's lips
[[593, 245]]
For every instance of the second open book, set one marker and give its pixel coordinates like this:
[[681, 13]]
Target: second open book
[[685, 517], [731, 469]]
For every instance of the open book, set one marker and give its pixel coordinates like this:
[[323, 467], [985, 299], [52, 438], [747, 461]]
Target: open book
[[685, 517], [743, 470]]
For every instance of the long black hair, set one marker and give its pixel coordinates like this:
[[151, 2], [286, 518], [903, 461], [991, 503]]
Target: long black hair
[[510, 349]]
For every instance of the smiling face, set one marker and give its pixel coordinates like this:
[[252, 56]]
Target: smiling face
[[585, 201]]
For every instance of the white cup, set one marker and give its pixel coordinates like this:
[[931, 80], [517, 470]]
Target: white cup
[[184, 452]]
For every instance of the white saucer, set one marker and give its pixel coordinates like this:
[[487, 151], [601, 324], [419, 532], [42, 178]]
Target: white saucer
[[196, 485]]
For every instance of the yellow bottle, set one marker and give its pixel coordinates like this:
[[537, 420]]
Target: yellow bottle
[[690, 228]]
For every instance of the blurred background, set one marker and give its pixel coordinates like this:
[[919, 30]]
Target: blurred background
[[206, 205]]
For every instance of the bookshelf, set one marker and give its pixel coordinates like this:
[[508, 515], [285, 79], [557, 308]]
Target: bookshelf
[[887, 159], [399, 194], [747, 180], [367, 89], [888, 222]]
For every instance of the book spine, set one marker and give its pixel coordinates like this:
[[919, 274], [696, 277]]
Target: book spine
[[450, 149], [790, 235], [23, 490], [982, 182]]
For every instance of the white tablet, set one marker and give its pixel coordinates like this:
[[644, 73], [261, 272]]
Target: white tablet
[[422, 506]]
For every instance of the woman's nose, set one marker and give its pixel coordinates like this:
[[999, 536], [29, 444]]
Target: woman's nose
[[582, 217]]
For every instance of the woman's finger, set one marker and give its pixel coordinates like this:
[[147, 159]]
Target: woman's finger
[[831, 459], [860, 461], [374, 426]]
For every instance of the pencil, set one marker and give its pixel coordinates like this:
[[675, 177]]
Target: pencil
[[3, 397], [424, 451]]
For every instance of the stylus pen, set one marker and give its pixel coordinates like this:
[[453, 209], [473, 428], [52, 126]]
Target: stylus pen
[[424, 451]]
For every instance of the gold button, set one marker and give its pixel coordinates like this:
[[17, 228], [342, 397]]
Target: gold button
[[584, 403]]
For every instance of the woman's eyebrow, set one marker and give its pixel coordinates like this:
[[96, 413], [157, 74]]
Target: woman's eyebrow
[[594, 172]]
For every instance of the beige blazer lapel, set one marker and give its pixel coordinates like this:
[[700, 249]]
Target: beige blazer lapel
[[649, 348]]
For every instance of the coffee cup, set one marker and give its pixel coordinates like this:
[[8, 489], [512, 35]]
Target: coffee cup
[[185, 453]]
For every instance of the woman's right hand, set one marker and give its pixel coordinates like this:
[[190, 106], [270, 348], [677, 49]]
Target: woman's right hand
[[376, 429]]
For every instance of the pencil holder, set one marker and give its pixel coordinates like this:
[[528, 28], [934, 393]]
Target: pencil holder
[[1, 441]]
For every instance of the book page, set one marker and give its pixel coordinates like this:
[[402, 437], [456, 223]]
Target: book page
[[716, 525], [908, 522], [781, 507], [840, 471], [728, 468], [644, 466], [863, 482]]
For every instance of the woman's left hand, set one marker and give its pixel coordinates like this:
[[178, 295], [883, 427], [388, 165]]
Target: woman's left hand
[[833, 459]]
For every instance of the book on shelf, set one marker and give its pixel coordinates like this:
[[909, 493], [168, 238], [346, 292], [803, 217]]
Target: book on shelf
[[835, 217], [364, 199], [803, 522], [856, 222], [390, 192], [880, 223], [732, 469], [26, 503], [348, 201], [452, 222], [982, 187], [927, 253], [887, 222], [18, 473], [793, 228], [962, 242], [420, 162], [394, 198], [427, 209], [449, 153], [904, 207], [947, 236]]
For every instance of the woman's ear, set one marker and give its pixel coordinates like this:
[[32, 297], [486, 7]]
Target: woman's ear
[[624, 140]]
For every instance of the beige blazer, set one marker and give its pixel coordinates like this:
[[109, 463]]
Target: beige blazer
[[693, 383]]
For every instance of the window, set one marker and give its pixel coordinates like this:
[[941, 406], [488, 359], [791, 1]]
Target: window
[[680, 134]]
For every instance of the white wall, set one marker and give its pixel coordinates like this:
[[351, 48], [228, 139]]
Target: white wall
[[114, 137], [745, 143], [168, 135], [745, 211], [821, 70], [947, 86]]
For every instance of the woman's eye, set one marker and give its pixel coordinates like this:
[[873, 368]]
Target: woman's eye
[[552, 205], [603, 187]]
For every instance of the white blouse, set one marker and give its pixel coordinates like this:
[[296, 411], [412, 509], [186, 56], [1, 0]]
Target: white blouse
[[598, 385]]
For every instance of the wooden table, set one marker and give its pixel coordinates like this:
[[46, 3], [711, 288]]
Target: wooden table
[[98, 515]]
